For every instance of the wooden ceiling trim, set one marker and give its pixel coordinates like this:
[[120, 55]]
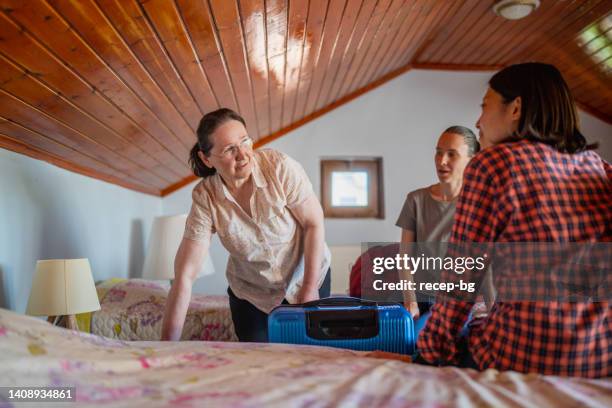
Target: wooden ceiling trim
[[351, 12], [590, 90], [480, 9], [253, 19], [599, 114], [16, 132], [602, 69], [226, 20], [331, 30], [176, 186], [15, 81], [434, 66], [23, 113], [601, 100], [589, 95], [99, 34], [447, 31], [88, 66], [31, 151], [29, 116], [376, 43], [574, 22], [165, 20], [396, 19], [138, 35], [600, 108], [49, 69], [364, 46], [549, 12], [605, 107], [276, 43], [198, 21], [429, 21], [298, 15], [365, 11], [314, 31]]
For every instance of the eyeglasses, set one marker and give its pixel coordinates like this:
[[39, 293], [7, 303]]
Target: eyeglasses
[[232, 150]]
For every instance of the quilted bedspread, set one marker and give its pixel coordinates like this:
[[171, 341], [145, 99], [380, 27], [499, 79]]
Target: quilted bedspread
[[218, 374], [133, 310]]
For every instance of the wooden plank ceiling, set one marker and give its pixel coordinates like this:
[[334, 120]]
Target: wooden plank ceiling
[[114, 89]]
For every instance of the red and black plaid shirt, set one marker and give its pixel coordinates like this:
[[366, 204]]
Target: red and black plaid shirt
[[529, 192]]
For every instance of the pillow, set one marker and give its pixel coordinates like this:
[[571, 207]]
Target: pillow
[[133, 309]]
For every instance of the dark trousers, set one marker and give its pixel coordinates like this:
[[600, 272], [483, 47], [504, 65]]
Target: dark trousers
[[250, 323], [465, 359]]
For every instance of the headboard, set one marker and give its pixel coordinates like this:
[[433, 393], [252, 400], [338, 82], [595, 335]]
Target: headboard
[[343, 258]]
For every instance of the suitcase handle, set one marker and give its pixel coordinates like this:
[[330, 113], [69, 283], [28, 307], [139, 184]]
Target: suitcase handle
[[339, 301]]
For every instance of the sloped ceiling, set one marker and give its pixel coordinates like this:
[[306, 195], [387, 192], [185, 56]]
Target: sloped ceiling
[[114, 89]]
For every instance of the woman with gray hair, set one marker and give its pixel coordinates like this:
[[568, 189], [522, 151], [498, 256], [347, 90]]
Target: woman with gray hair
[[427, 214]]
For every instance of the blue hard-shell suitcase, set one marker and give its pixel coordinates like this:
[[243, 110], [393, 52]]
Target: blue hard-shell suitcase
[[344, 322]]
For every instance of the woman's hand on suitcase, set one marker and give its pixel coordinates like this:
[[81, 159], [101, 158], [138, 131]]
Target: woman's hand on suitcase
[[306, 294], [413, 308]]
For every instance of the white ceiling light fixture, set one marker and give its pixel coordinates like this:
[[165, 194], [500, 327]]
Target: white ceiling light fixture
[[515, 9]]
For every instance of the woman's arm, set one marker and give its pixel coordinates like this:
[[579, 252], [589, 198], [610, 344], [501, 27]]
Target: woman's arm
[[410, 301], [309, 215], [187, 263]]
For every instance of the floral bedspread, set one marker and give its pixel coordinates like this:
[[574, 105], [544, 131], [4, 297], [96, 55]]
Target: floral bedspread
[[133, 310], [215, 374]]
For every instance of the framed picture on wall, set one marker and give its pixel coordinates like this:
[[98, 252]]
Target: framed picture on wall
[[352, 187]]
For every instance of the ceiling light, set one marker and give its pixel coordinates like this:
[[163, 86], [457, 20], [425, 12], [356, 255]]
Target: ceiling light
[[515, 9]]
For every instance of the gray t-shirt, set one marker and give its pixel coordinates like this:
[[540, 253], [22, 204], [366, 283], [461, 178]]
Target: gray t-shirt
[[431, 220]]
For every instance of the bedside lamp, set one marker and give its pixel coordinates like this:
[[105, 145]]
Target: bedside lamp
[[63, 288], [166, 235]]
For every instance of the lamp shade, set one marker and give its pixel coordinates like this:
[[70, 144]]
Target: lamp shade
[[62, 287], [166, 235]]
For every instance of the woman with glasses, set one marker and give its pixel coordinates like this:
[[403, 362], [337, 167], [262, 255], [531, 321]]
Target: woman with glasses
[[262, 206]]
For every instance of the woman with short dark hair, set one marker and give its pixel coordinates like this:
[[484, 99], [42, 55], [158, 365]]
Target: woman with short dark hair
[[262, 206], [537, 104], [536, 180]]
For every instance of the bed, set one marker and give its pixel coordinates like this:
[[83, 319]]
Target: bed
[[119, 373], [133, 309]]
